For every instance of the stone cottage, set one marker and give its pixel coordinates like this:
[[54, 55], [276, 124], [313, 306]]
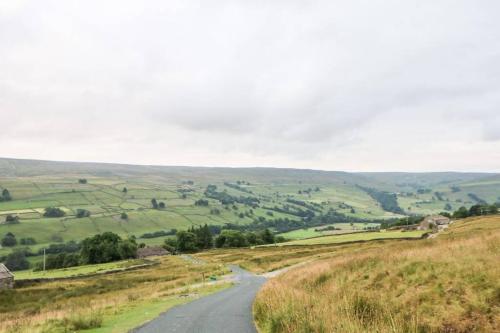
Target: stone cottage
[[6, 277], [438, 221]]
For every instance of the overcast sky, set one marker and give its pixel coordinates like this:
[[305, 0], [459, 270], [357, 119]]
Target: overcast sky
[[375, 85]]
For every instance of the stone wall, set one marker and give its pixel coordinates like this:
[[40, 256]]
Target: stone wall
[[7, 283]]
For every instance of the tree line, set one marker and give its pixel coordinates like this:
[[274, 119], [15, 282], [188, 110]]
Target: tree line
[[207, 237]]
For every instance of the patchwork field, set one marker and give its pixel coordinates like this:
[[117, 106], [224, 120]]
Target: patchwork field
[[292, 199]]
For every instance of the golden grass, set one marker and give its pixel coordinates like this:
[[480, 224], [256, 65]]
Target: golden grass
[[81, 301], [448, 284]]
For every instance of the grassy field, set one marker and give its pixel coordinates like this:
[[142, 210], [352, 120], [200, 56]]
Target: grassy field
[[80, 270], [106, 303], [447, 284], [35, 185], [360, 236], [319, 231]]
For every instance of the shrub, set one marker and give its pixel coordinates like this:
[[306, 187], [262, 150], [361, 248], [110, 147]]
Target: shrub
[[82, 213], [11, 219], [9, 240]]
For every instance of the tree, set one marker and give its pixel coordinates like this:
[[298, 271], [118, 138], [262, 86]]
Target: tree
[[17, 261], [127, 249], [231, 238], [27, 241], [201, 202], [82, 181], [161, 205], [106, 247], [462, 212], [154, 203], [170, 245], [5, 195], [124, 216], [9, 240], [186, 241], [124, 190], [53, 212], [204, 237], [82, 213], [267, 236]]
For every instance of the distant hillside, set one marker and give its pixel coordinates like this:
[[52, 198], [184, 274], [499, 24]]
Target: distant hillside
[[280, 199]]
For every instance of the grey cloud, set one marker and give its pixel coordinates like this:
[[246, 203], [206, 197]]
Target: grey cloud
[[297, 80]]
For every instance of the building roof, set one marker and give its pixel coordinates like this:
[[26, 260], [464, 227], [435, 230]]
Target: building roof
[[151, 251], [4, 272]]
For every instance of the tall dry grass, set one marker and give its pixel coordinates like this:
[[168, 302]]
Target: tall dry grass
[[78, 304], [448, 284]]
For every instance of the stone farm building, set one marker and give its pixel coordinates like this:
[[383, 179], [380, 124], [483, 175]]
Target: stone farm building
[[151, 251], [439, 221], [6, 277]]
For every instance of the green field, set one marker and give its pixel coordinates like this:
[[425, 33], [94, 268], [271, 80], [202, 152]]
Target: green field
[[319, 231], [79, 270], [362, 236], [281, 194]]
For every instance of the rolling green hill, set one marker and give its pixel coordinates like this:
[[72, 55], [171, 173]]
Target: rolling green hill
[[242, 196]]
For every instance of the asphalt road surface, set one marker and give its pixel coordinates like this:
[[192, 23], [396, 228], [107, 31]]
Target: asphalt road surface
[[228, 311]]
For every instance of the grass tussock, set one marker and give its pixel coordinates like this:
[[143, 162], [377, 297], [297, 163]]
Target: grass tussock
[[450, 284]]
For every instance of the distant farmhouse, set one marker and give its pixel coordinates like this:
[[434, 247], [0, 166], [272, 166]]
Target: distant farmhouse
[[6, 278], [151, 251], [437, 221]]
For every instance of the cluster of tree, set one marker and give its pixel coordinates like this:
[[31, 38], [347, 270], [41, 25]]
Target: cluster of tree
[[106, 247], [82, 181], [53, 212], [227, 199], [455, 188], [476, 198], [5, 195], [9, 240], [157, 205], [61, 260], [202, 238], [475, 210], [308, 190], [424, 190], [388, 201], [215, 211], [69, 247], [11, 219], [439, 196], [291, 210], [238, 187], [235, 238], [16, 260], [201, 202], [400, 222], [82, 213], [27, 241], [309, 205], [161, 233]]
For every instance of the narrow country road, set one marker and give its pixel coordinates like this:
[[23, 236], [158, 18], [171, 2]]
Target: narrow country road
[[228, 311]]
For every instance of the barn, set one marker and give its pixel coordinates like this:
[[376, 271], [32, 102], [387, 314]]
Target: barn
[[6, 278]]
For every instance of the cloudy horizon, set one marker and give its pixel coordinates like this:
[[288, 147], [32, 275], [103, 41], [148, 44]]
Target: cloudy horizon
[[331, 85]]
